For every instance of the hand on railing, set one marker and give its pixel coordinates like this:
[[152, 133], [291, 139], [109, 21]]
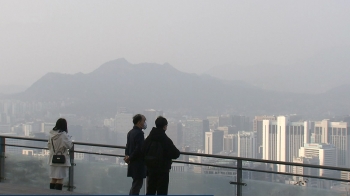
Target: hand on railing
[[127, 159]]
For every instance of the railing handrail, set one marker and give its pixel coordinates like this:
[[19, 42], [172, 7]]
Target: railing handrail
[[23, 138], [194, 154], [99, 145], [266, 161]]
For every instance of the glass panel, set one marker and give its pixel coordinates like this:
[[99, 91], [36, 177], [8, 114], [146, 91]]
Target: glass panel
[[27, 167], [196, 180], [19, 150], [276, 185], [260, 183], [96, 174]]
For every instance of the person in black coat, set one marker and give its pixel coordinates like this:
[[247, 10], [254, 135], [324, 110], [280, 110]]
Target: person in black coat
[[158, 178], [133, 154]]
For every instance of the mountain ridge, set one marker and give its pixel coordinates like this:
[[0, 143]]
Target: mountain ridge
[[119, 83]]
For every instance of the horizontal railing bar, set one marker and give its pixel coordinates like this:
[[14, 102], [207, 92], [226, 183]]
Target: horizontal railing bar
[[77, 143], [35, 147], [97, 153], [99, 145], [202, 155], [205, 164], [78, 151], [24, 138], [266, 161]]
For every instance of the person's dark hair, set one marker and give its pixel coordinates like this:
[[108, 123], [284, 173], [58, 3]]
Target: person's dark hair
[[137, 118], [161, 122], [61, 125]]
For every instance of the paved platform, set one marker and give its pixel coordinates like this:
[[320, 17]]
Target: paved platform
[[15, 189]]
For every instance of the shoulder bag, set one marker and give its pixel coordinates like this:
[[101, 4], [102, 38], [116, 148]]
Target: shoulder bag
[[59, 159]]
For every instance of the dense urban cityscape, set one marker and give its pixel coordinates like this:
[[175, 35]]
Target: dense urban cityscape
[[289, 138]]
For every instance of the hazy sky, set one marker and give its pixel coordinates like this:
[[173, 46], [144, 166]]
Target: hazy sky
[[37, 37]]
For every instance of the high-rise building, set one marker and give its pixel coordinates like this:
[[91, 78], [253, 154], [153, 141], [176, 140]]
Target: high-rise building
[[225, 120], [206, 128], [208, 143], [258, 128], [27, 129], [246, 144], [336, 133], [174, 132], [193, 134], [228, 130], [282, 140], [213, 122], [213, 142], [232, 130], [151, 116], [46, 127], [326, 153], [241, 122], [230, 143], [223, 129]]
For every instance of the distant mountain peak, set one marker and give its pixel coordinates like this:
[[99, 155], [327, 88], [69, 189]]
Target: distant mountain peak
[[122, 66], [112, 66], [116, 62], [120, 61]]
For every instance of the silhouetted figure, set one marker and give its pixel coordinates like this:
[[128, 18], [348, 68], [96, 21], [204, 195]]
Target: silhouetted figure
[[159, 151], [133, 155]]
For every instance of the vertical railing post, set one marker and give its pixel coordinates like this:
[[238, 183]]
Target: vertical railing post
[[145, 185], [71, 170], [239, 177], [2, 159]]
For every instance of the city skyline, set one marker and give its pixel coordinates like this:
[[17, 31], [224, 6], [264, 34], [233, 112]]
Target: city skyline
[[224, 134]]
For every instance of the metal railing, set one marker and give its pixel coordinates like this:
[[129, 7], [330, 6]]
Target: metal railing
[[239, 166]]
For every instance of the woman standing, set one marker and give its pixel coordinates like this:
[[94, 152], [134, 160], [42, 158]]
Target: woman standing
[[58, 144]]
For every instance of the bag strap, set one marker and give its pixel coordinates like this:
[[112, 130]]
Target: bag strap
[[53, 146]]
